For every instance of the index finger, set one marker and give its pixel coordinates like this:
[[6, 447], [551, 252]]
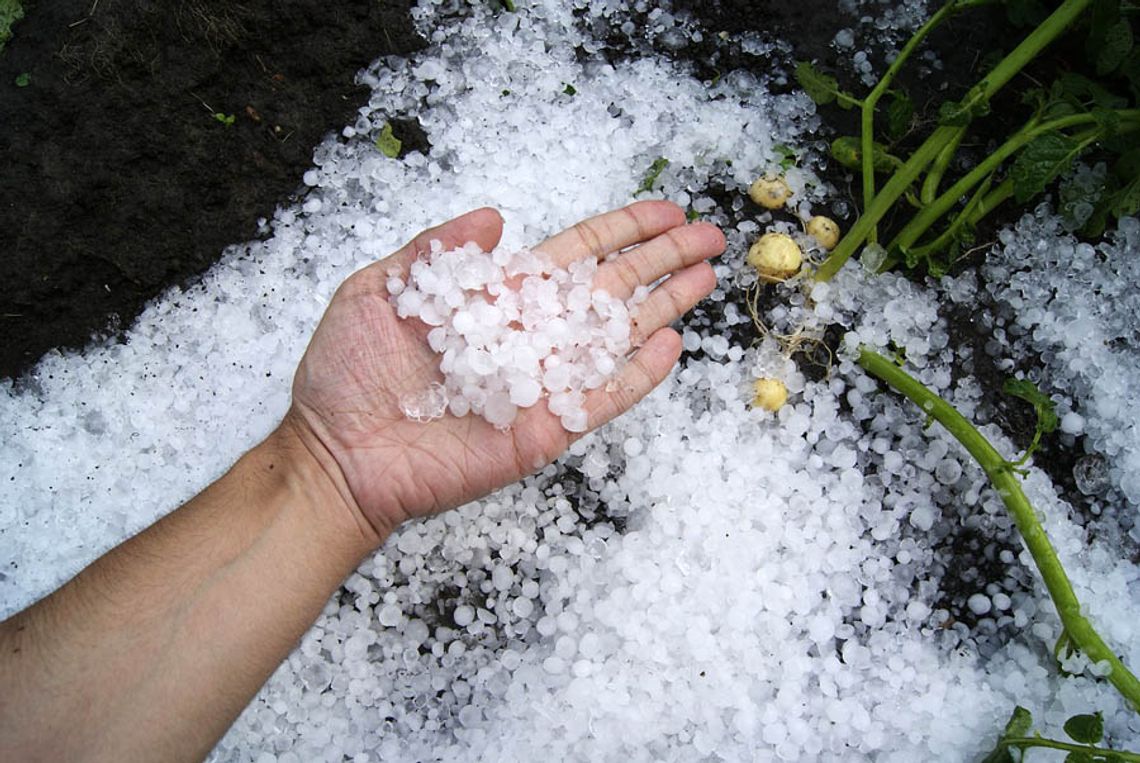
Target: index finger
[[598, 236], [484, 226]]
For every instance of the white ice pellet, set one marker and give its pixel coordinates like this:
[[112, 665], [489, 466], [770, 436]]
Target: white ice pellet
[[922, 517], [389, 615], [464, 615], [979, 604], [948, 471], [522, 607], [506, 346], [1072, 423]]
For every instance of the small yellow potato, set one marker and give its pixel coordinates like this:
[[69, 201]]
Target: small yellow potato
[[824, 230], [770, 192], [769, 394], [776, 257]]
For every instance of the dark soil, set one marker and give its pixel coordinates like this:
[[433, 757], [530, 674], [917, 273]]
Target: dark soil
[[118, 180]]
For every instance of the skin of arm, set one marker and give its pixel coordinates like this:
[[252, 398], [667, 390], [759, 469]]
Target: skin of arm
[[152, 651]]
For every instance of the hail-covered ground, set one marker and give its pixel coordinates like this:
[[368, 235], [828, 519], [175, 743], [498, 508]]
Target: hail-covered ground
[[698, 580]]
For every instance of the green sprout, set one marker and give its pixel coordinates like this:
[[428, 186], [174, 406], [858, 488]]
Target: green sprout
[[654, 172], [226, 119], [388, 143], [1043, 406], [1086, 732]]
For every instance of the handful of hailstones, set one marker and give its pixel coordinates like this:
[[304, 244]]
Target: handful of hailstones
[[512, 329]]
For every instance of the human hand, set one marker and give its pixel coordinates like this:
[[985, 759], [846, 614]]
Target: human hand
[[363, 359]]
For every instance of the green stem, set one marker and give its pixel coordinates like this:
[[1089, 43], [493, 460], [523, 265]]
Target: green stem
[[1015, 61], [1025, 742], [921, 222], [867, 124], [970, 216], [992, 200], [882, 203], [1001, 475], [938, 168], [963, 219]]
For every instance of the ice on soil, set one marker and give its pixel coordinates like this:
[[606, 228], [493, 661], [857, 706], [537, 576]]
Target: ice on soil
[[695, 580]]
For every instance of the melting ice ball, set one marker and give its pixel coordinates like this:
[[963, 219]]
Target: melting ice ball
[[512, 329]]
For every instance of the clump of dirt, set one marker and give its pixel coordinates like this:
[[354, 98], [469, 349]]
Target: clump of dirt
[[123, 170]]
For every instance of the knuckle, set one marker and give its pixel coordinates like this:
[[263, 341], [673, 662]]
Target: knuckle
[[638, 224], [590, 237]]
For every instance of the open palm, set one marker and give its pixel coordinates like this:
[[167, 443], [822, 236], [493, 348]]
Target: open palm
[[363, 359]]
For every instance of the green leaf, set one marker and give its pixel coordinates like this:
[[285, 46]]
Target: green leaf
[[655, 170], [899, 113], [1020, 721], [388, 143], [788, 158], [845, 150], [1131, 72], [961, 113], [23, 80], [1097, 222], [990, 60], [1107, 120], [1086, 729], [1126, 202], [937, 269], [848, 152], [1115, 48], [1042, 403], [570, 89], [1033, 96], [1043, 159], [1085, 93], [1078, 757], [821, 88], [1102, 15], [965, 236], [911, 256]]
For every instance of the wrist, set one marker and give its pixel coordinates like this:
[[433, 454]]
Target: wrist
[[296, 458]]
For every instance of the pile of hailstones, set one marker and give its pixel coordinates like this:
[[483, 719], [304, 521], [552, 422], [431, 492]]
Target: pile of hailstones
[[512, 329]]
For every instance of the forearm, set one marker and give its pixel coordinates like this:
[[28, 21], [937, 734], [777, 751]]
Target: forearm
[[205, 603]]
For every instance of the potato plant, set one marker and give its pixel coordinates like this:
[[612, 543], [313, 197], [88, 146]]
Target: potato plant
[[1069, 118]]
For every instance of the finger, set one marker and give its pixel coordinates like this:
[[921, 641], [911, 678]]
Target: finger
[[484, 226], [674, 250], [646, 369], [672, 299], [601, 235]]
